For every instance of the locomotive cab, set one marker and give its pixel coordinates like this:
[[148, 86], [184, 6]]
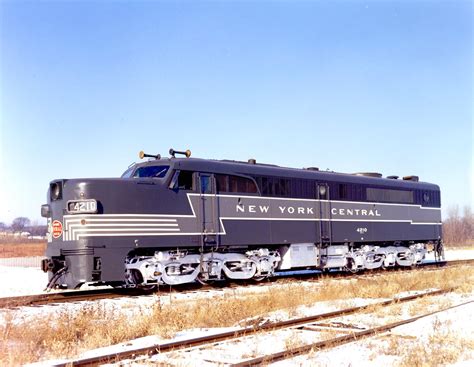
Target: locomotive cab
[[84, 214]]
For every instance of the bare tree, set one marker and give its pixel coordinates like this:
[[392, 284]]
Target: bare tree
[[37, 229], [19, 224], [459, 230], [468, 224]]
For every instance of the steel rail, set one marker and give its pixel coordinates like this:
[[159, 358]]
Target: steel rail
[[96, 294], [177, 345], [334, 342], [69, 296]]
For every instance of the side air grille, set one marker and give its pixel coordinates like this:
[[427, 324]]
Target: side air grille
[[77, 251]]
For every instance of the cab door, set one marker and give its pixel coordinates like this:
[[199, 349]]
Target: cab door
[[324, 205], [208, 209]]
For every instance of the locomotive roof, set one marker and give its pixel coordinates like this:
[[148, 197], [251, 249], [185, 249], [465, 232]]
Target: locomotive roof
[[245, 168]]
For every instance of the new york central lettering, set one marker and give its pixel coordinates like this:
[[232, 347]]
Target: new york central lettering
[[351, 212], [298, 210], [262, 209], [304, 210]]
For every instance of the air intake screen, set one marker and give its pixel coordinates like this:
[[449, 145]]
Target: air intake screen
[[390, 196]]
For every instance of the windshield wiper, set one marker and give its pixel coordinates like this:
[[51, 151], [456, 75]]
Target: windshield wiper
[[160, 172]]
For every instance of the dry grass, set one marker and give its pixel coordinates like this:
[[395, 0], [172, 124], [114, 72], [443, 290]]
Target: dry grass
[[71, 332], [22, 248], [426, 305], [442, 347], [459, 247], [293, 340], [416, 307]]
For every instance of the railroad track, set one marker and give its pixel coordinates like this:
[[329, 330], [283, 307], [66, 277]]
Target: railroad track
[[335, 342], [110, 293], [245, 332], [63, 297]]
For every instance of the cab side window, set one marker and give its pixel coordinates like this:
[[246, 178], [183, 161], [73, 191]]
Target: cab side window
[[185, 180], [206, 184], [230, 183]]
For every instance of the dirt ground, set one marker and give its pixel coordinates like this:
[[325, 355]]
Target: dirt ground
[[22, 248]]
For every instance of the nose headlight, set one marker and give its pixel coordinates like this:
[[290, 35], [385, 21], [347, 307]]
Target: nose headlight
[[45, 211], [56, 191]]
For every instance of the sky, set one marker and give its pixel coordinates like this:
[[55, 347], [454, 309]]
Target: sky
[[384, 86]]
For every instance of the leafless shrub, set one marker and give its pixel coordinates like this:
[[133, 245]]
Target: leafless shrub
[[458, 230], [20, 223]]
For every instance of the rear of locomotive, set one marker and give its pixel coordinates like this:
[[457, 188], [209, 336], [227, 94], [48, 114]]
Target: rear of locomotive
[[405, 226]]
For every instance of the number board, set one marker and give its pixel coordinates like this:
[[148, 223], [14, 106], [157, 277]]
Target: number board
[[82, 206]]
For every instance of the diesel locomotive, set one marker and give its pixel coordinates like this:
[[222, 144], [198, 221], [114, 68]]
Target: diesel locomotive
[[179, 219]]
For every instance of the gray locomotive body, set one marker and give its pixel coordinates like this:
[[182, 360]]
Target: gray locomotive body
[[177, 220]]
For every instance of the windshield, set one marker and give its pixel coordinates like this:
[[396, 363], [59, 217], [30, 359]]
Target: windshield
[[128, 172], [151, 171]]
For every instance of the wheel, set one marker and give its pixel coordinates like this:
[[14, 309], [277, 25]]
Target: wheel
[[200, 279], [350, 267], [149, 288]]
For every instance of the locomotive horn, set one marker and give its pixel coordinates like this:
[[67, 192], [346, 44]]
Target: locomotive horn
[[187, 153], [142, 155]]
